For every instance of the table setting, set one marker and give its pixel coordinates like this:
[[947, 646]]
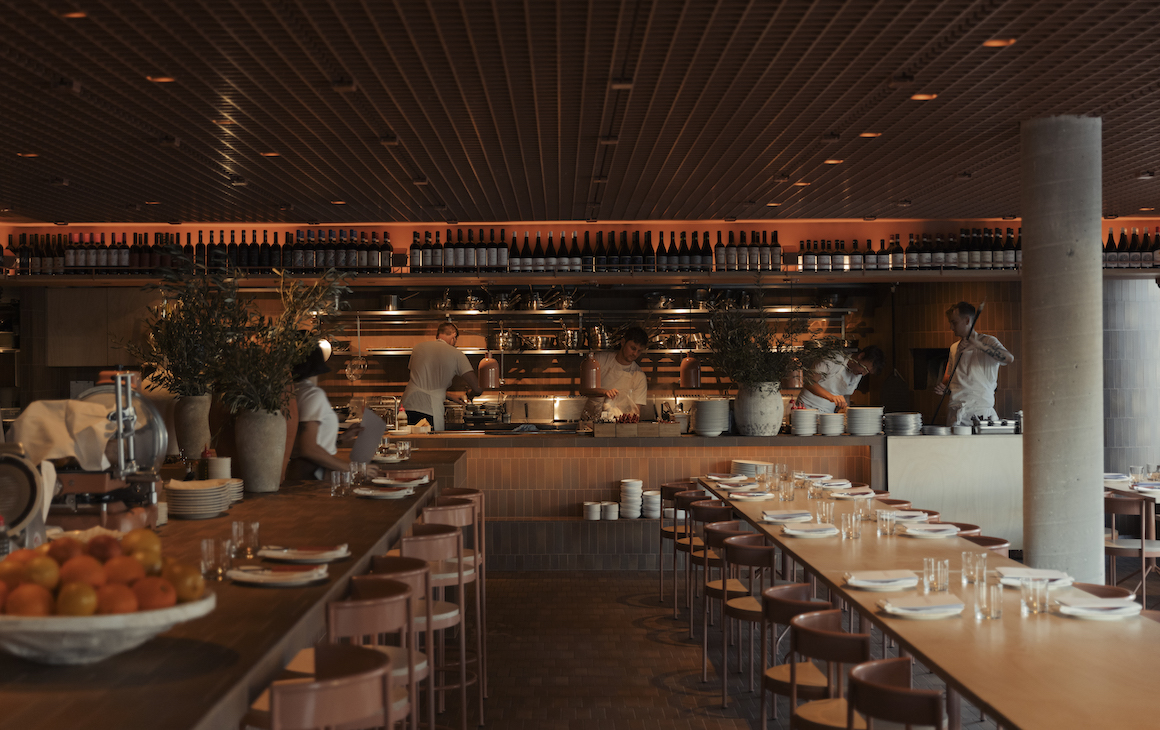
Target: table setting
[[932, 606], [882, 580], [305, 555]]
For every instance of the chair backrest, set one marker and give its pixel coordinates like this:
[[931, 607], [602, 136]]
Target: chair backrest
[[1124, 505], [669, 490], [931, 515], [450, 511], [432, 542], [717, 532], [782, 603], [1102, 591], [750, 550], [408, 474], [997, 544], [819, 635], [351, 686], [966, 529], [896, 503], [375, 607], [682, 500], [475, 496], [881, 690], [710, 510]]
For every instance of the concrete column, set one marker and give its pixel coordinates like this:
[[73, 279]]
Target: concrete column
[[1131, 377], [1063, 370]]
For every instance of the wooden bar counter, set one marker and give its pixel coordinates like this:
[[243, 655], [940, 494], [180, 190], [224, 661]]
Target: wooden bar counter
[[204, 673]]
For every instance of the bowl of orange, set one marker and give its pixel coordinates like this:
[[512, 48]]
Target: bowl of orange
[[88, 639]]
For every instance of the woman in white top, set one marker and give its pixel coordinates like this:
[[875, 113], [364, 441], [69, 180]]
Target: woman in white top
[[835, 379], [316, 445]]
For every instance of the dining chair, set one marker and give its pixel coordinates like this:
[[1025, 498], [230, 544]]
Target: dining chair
[[818, 635], [1103, 591], [931, 515], [1120, 547], [779, 605], [668, 532], [966, 529], [997, 545], [895, 503], [427, 615], [715, 535], [685, 541], [752, 551], [410, 474], [882, 690], [701, 513]]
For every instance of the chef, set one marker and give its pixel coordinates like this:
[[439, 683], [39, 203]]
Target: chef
[[623, 386], [835, 379], [434, 366], [979, 356]]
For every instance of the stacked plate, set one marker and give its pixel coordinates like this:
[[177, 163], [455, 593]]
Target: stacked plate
[[237, 490], [831, 424], [933, 606], [864, 420], [746, 467], [903, 424], [936, 430], [652, 505], [198, 500], [712, 417], [630, 498], [591, 510], [1117, 481], [803, 421]]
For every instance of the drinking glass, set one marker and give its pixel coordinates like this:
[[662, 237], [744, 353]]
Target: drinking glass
[[404, 450], [238, 535], [336, 482], [988, 599], [253, 541], [1153, 472], [824, 512], [358, 473], [851, 526], [885, 522], [208, 558], [1033, 596], [762, 475], [936, 575], [1136, 473], [974, 565]]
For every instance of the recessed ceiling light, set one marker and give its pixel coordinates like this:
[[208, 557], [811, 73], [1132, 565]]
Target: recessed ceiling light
[[923, 97], [28, 154], [338, 202], [999, 43], [72, 14], [801, 184], [161, 79], [772, 205], [870, 135], [152, 202], [1146, 208], [609, 140], [832, 162], [270, 154]]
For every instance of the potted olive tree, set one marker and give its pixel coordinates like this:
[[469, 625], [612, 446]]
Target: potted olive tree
[[758, 355]]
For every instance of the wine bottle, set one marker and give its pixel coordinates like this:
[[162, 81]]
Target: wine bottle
[[636, 254], [155, 253], [613, 253], [1155, 249], [352, 242], [986, 250], [731, 254], [551, 259], [624, 253], [538, 258], [481, 248], [754, 252], [336, 252], [775, 253], [1134, 250], [697, 256], [925, 252], [684, 258], [469, 265], [856, 260], [938, 253], [764, 253], [458, 252], [719, 263], [439, 261], [1146, 250], [513, 253], [910, 255], [662, 256], [1123, 250], [1009, 250], [599, 254], [742, 253], [587, 256], [497, 252], [839, 259], [809, 257], [825, 256]]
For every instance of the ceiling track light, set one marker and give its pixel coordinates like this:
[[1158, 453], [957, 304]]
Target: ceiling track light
[[998, 42], [388, 140], [161, 79], [344, 85], [28, 154], [609, 140], [772, 205], [923, 97], [832, 161], [621, 85]]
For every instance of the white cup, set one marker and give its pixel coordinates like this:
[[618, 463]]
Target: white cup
[[219, 467], [610, 510]]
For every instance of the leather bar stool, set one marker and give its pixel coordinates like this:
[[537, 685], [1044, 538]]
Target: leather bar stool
[[684, 541], [701, 513], [819, 635], [881, 690], [715, 535], [895, 503], [669, 490], [966, 529], [427, 614], [995, 544], [931, 515], [476, 555], [755, 553], [780, 604], [1102, 591]]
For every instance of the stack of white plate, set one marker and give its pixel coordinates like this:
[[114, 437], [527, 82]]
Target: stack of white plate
[[591, 510], [652, 505], [746, 467], [933, 430], [864, 420], [630, 498], [803, 421], [831, 424], [237, 490], [609, 510], [198, 500], [712, 417], [903, 424]]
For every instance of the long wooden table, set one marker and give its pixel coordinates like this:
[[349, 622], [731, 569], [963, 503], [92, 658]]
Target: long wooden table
[[205, 673], [1043, 671]]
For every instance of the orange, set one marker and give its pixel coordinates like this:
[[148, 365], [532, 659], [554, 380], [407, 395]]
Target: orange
[[105, 547], [154, 592], [186, 580], [11, 573], [141, 539], [43, 571], [42, 548], [83, 569], [124, 569], [76, 599], [21, 556], [116, 598], [151, 559], [64, 548], [29, 600]]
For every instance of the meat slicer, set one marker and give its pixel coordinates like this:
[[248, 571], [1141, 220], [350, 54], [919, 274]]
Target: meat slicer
[[124, 496]]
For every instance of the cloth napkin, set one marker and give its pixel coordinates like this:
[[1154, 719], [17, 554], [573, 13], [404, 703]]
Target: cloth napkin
[[278, 573], [936, 528], [857, 492], [783, 513], [56, 429], [836, 484], [912, 515], [823, 527], [1092, 604]]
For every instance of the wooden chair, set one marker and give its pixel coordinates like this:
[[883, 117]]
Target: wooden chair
[[701, 513], [1102, 591], [995, 544], [685, 541], [895, 503], [931, 515], [1130, 547], [819, 635], [409, 474], [966, 529], [754, 552], [669, 532], [427, 615], [715, 535], [780, 604], [881, 690]]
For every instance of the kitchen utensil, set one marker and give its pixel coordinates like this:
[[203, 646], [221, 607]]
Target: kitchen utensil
[[597, 337], [445, 304], [569, 339], [505, 302], [470, 302], [356, 366], [539, 342], [659, 301], [505, 340]]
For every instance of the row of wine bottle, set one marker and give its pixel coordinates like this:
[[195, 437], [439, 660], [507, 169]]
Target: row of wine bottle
[[304, 252]]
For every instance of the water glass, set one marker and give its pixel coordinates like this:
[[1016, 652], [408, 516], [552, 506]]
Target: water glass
[[885, 522], [358, 473], [936, 575], [253, 540], [974, 566], [862, 509], [1136, 473], [336, 482], [824, 512], [238, 535], [1153, 472], [209, 557], [851, 526], [404, 449], [1033, 596], [217, 556], [988, 600]]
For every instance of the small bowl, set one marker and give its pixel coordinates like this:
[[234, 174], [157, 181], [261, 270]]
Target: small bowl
[[961, 430]]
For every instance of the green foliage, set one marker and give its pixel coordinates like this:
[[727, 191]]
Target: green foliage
[[750, 349]]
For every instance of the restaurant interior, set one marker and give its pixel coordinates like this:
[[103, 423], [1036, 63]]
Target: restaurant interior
[[525, 565]]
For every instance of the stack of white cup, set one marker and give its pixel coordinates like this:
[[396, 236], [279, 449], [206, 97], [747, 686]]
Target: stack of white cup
[[652, 505], [591, 510], [630, 498]]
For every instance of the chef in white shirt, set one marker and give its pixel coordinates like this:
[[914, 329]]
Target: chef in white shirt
[[973, 387], [835, 379], [435, 365], [623, 385]]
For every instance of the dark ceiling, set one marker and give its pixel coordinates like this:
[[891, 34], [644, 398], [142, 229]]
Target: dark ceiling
[[568, 110]]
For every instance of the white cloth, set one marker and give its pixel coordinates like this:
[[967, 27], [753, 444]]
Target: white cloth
[[833, 375], [55, 429], [629, 380], [313, 405], [973, 386], [434, 364]]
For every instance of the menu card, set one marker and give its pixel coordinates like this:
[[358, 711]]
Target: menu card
[[369, 439]]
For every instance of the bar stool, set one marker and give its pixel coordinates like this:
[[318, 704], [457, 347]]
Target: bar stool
[[350, 686], [427, 615], [669, 490], [436, 544], [819, 635], [751, 551], [378, 608], [460, 513], [476, 555], [699, 514], [966, 529], [684, 541], [780, 604], [715, 535], [996, 544], [881, 690], [895, 503], [1130, 547], [1102, 591]]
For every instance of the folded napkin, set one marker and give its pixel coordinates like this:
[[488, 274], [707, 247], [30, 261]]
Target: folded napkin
[[783, 513], [933, 528], [750, 495], [823, 528], [912, 515], [860, 492], [836, 484], [932, 602], [882, 577], [1020, 573], [388, 481], [303, 552], [1148, 486]]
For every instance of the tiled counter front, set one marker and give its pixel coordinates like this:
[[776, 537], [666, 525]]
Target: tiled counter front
[[536, 485]]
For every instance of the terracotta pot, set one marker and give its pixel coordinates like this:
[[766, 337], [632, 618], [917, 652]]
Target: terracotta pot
[[261, 442], [191, 424], [759, 409]]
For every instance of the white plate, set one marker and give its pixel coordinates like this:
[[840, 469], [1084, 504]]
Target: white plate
[[786, 520], [1058, 583], [381, 494], [817, 534], [929, 615], [751, 497], [254, 575], [1115, 615], [386, 459], [930, 535], [856, 495], [304, 557], [389, 482], [884, 587], [727, 477], [737, 487]]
